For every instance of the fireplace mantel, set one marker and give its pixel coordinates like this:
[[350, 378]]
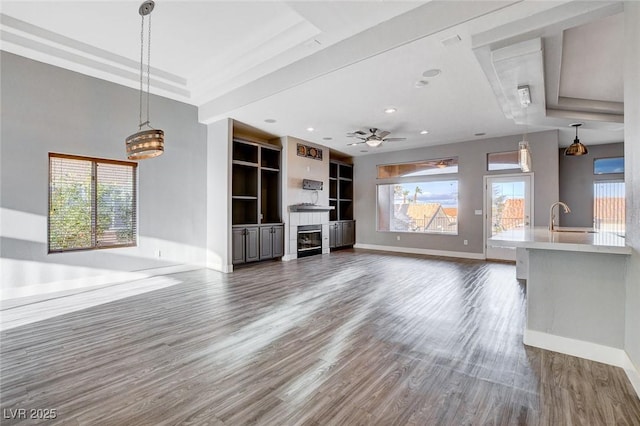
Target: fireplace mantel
[[310, 208]]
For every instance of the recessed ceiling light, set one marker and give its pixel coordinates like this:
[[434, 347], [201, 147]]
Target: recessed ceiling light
[[479, 134], [327, 139], [270, 120], [421, 83], [424, 132], [363, 150], [431, 73], [390, 110], [310, 129]]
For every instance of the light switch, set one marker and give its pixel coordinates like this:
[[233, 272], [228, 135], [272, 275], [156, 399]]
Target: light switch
[[478, 212]]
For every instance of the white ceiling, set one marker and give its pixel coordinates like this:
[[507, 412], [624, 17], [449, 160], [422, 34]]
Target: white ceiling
[[336, 65]]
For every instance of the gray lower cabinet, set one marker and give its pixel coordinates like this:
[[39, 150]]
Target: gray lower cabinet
[[245, 244], [271, 241], [278, 241], [348, 233], [342, 233], [253, 243]]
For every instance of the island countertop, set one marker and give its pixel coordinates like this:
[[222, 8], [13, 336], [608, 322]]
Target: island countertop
[[542, 238]]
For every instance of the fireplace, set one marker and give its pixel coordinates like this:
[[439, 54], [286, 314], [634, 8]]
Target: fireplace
[[309, 240]]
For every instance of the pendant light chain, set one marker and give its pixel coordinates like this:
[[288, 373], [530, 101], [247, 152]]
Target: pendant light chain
[[148, 70], [147, 122], [141, 68]]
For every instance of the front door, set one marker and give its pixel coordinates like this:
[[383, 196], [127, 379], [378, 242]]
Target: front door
[[508, 206]]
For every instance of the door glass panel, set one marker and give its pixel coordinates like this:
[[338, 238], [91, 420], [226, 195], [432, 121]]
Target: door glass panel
[[507, 206]]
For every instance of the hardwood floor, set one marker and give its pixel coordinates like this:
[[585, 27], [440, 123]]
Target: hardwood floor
[[355, 337]]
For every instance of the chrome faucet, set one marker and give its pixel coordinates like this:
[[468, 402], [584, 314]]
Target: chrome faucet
[[552, 216]]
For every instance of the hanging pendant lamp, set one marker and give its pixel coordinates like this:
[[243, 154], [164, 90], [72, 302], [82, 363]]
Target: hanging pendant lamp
[[150, 142], [524, 154], [576, 148]]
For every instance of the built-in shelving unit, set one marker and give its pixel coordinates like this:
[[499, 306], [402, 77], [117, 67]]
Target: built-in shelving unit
[[342, 225], [257, 232]]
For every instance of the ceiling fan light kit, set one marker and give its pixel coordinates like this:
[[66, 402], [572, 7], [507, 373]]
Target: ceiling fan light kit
[[375, 138]]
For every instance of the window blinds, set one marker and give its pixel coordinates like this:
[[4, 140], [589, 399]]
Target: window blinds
[[92, 203]]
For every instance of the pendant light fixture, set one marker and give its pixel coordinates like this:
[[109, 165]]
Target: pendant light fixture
[[150, 142], [576, 148], [524, 154]]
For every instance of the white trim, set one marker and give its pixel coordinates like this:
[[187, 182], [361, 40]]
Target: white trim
[[220, 267], [53, 289], [288, 257], [412, 250], [587, 350], [633, 373]]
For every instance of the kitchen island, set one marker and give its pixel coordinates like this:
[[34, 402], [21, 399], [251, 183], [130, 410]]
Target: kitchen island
[[575, 291]]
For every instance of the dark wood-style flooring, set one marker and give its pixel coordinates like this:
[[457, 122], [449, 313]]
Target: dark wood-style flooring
[[355, 337]]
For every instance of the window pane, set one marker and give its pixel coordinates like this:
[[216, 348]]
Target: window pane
[[419, 168], [603, 166], [70, 207], [116, 223], [608, 206], [92, 203], [430, 207], [503, 160]]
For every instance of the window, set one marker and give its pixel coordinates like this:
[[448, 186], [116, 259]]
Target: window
[[420, 168], [608, 206], [92, 203], [509, 160], [428, 207], [603, 166]]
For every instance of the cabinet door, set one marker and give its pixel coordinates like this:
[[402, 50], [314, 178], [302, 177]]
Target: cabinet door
[[266, 242], [332, 235], [339, 235], [278, 241], [348, 234], [252, 241], [237, 245]]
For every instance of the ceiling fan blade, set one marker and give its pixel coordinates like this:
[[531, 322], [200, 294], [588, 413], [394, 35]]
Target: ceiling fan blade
[[384, 133], [356, 134], [394, 139]]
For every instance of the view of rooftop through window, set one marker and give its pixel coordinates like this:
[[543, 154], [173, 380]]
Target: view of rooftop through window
[[609, 206], [430, 207]]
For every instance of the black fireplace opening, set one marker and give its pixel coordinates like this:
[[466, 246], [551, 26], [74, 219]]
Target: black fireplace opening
[[309, 240]]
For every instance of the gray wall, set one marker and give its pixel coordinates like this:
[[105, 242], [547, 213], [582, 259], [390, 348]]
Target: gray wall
[[472, 168], [632, 177], [576, 182], [49, 109]]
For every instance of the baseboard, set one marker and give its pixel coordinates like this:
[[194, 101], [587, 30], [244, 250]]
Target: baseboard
[[288, 257], [36, 293], [227, 269], [587, 350], [430, 252], [633, 373]]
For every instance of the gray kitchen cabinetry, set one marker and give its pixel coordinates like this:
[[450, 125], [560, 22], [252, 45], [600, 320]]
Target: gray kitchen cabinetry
[[271, 241], [244, 243]]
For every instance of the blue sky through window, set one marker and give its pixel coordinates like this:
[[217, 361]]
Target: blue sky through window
[[603, 166]]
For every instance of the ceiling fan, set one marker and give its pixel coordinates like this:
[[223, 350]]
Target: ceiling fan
[[375, 137]]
